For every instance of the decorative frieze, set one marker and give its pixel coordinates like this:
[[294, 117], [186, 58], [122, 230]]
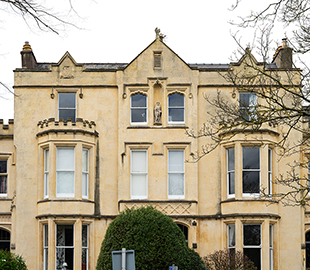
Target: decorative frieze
[[166, 207]]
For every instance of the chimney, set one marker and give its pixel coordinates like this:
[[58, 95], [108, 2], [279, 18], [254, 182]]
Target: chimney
[[283, 56], [28, 58]]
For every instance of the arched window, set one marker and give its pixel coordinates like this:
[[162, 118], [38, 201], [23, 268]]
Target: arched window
[[5, 237], [138, 109], [308, 250], [184, 230], [176, 109]]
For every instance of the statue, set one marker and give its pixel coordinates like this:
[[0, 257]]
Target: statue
[[157, 113]]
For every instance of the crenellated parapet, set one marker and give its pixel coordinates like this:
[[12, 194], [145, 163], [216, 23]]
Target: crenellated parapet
[[50, 125], [6, 130]]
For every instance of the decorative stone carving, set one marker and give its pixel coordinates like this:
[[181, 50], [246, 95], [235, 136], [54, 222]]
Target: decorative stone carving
[[66, 73], [157, 113]]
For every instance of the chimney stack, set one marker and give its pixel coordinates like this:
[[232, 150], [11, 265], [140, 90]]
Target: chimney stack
[[28, 58], [283, 56]]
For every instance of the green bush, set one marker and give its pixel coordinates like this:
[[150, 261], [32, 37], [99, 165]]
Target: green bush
[[156, 239], [11, 261]]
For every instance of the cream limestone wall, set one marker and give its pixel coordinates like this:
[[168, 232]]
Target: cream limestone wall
[[103, 126]]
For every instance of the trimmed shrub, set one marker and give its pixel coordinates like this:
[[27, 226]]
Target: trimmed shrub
[[156, 239], [225, 260], [11, 261]]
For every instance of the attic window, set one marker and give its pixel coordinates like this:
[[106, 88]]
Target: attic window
[[157, 60]]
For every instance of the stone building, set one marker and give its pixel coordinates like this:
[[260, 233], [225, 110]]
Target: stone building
[[90, 140]]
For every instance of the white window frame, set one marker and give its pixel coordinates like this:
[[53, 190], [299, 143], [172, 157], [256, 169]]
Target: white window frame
[[133, 173], [68, 170], [86, 247], [46, 172], [271, 246], [270, 158], [85, 193], [249, 108], [45, 247], [252, 170], [229, 172], [67, 108], [176, 107], [6, 176], [252, 246], [181, 196], [65, 247], [133, 108]]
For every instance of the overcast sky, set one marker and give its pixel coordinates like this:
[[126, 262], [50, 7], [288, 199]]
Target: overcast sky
[[117, 31]]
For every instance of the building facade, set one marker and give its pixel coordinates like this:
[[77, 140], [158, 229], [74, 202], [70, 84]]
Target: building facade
[[91, 140]]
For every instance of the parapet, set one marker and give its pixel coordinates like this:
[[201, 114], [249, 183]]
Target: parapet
[[50, 125], [6, 130]]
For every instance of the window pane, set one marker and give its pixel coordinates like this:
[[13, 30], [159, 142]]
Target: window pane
[[3, 166], [138, 161], [251, 235], [231, 182], [250, 182], [85, 185], [46, 159], [84, 236], [3, 184], [85, 160], [65, 182], [176, 115], [254, 255], [176, 100], [138, 115], [231, 235], [138, 185], [67, 113], [176, 184], [64, 255], [231, 159], [64, 235], [138, 100], [176, 161], [65, 158], [250, 157], [84, 258], [66, 100]]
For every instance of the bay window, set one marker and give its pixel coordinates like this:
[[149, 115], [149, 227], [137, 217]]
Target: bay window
[[65, 170], [250, 170], [176, 189], [138, 174]]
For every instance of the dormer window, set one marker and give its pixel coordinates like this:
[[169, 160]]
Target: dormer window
[[157, 60]]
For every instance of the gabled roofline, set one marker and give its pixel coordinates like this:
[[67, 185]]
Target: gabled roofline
[[67, 54], [150, 46]]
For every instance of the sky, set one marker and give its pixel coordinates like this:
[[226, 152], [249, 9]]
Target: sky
[[117, 31]]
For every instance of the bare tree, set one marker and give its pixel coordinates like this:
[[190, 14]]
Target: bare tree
[[45, 17], [276, 93]]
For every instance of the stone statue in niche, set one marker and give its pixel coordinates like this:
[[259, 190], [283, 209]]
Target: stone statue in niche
[[157, 113]]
